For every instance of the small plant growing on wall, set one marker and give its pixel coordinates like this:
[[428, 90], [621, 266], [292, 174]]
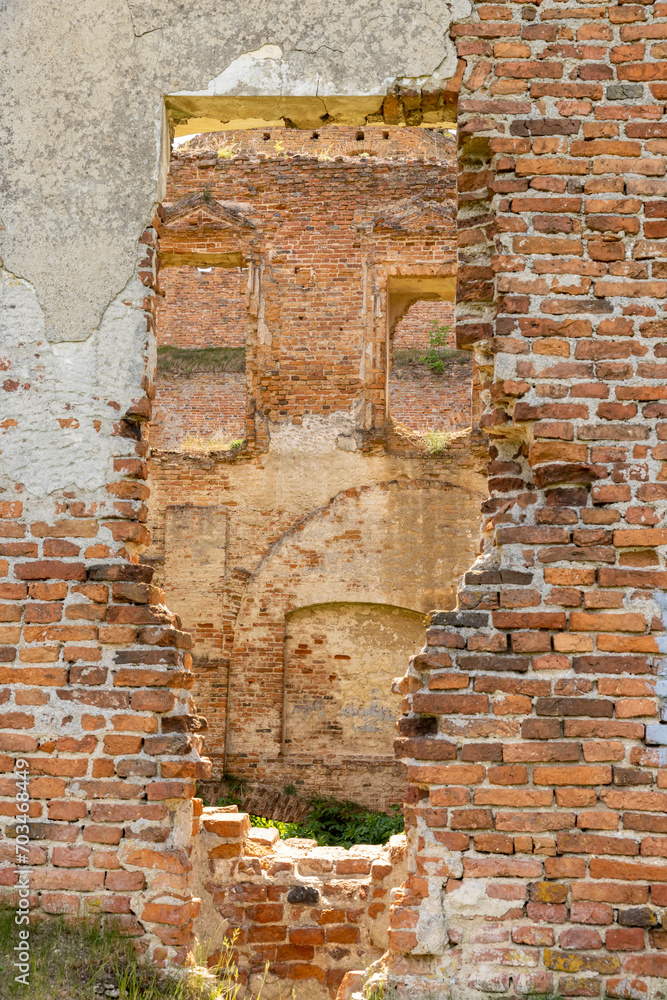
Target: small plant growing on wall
[[437, 344], [436, 442], [227, 151], [438, 355]]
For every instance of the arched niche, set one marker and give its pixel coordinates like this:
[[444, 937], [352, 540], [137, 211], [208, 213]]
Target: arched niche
[[340, 660]]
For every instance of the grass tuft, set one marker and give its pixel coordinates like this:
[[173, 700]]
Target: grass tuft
[[88, 959], [437, 442], [228, 151], [185, 360]]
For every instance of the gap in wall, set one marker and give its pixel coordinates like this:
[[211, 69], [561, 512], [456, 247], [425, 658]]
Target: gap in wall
[[203, 328], [429, 380], [318, 532]]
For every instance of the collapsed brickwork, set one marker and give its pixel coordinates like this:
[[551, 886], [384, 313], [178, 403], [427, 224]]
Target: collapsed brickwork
[[311, 912], [324, 547]]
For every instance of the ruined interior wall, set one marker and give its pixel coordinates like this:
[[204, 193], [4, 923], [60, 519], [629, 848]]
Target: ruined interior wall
[[313, 913], [592, 79], [361, 530], [322, 518], [321, 258], [289, 201], [88, 642]]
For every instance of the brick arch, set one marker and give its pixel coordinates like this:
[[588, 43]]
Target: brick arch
[[327, 558]]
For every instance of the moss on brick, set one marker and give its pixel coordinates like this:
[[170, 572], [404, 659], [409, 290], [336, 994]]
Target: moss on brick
[[185, 360]]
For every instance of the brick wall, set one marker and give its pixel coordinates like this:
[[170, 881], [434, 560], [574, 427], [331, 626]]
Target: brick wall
[[312, 913], [203, 308], [205, 405], [425, 401], [318, 529], [530, 726], [96, 703], [301, 577], [535, 822]]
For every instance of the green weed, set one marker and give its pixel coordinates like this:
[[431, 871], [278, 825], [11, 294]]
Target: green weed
[[339, 824], [438, 356], [286, 830], [334, 823], [436, 442]]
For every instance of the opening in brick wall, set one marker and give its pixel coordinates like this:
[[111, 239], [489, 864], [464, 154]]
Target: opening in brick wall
[[430, 381], [305, 560], [318, 258], [203, 329]]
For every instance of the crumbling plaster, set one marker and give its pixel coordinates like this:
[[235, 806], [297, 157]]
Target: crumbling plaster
[[61, 399], [84, 134]]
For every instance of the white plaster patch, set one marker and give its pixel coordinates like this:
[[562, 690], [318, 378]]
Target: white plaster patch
[[431, 930], [660, 598], [505, 366], [55, 419], [258, 72], [317, 435], [470, 900]]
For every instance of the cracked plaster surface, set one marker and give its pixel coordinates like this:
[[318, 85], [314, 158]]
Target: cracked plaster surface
[[83, 130], [60, 400], [82, 118]]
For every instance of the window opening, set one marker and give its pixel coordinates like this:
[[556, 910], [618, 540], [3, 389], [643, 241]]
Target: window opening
[[202, 326], [430, 380]]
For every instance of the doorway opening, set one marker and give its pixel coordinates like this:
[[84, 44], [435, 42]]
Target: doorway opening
[[330, 547]]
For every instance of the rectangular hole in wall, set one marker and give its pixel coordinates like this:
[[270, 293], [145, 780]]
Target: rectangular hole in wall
[[429, 380], [202, 332], [294, 243]]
